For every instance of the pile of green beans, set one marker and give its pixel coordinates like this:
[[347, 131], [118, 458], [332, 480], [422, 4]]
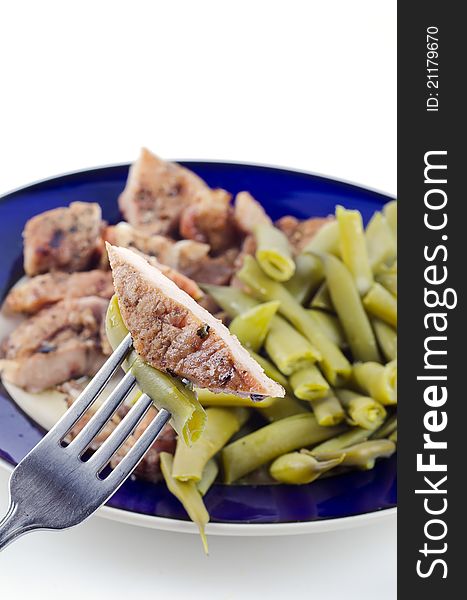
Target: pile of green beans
[[322, 324]]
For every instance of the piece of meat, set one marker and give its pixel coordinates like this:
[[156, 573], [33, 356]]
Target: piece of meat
[[43, 290], [63, 239], [209, 219], [59, 343], [216, 270], [248, 249], [173, 333], [123, 234], [248, 213], [148, 468], [156, 192], [299, 232]]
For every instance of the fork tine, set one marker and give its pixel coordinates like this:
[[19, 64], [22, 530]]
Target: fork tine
[[136, 453], [102, 415], [92, 390], [116, 439]]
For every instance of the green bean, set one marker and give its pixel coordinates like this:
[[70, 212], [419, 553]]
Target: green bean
[[273, 252], [350, 310], [333, 363], [188, 416], [380, 241], [388, 280], [386, 337], [382, 304], [322, 299], [342, 441], [328, 410], [263, 445], [188, 495], [390, 212], [363, 455], [252, 326], [353, 248], [210, 473], [232, 300], [330, 326], [379, 381], [307, 277], [282, 408], [288, 349], [208, 398], [271, 372], [362, 410], [386, 428], [393, 437], [308, 383], [221, 424], [298, 468], [326, 239]]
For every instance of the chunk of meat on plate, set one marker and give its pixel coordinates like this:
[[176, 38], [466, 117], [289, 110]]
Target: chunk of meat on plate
[[300, 232], [210, 219], [58, 343], [156, 192], [123, 234], [42, 290], [63, 239], [249, 213], [173, 333]]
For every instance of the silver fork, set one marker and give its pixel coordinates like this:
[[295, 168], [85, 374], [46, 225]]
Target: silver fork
[[53, 487]]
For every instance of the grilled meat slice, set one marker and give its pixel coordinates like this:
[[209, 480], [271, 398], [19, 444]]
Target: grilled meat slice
[[175, 334], [63, 239], [43, 290], [59, 343], [156, 192]]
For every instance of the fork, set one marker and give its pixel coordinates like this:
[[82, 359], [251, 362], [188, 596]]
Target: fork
[[53, 487]]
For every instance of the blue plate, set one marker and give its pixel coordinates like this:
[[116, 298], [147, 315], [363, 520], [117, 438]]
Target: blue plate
[[281, 192]]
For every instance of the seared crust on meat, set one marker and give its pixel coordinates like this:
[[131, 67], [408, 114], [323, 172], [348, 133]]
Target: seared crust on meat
[[43, 290], [156, 192], [63, 239], [173, 333], [299, 232], [59, 343]]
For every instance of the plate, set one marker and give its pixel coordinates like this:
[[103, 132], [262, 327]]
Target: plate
[[328, 504]]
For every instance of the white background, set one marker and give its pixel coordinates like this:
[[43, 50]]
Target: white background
[[309, 85]]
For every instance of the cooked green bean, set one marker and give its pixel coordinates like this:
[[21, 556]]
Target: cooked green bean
[[330, 326], [297, 468], [386, 337], [232, 300], [328, 410], [386, 428], [334, 364], [308, 383], [382, 304], [326, 239], [344, 440], [188, 416], [363, 411], [263, 445], [390, 212], [361, 456], [273, 252], [188, 494], [388, 280], [353, 248], [271, 372], [282, 408], [307, 277], [252, 326], [208, 398], [393, 437], [210, 473], [380, 241], [350, 310], [322, 299], [379, 381], [221, 424], [288, 349]]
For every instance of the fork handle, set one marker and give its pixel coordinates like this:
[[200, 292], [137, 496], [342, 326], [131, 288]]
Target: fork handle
[[13, 525]]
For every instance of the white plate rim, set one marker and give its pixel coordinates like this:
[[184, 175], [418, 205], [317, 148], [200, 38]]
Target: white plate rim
[[238, 529]]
